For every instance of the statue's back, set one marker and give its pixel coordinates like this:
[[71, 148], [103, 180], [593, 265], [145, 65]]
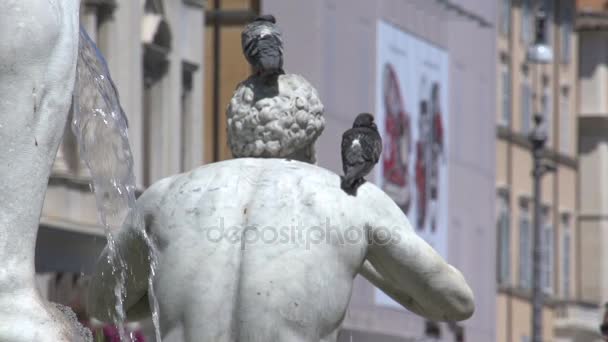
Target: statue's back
[[267, 249], [263, 253]]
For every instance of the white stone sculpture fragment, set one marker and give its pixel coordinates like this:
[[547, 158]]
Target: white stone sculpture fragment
[[257, 249], [281, 120], [38, 53]]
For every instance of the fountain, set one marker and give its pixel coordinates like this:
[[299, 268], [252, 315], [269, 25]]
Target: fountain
[[60, 63], [100, 127], [265, 247], [261, 248]]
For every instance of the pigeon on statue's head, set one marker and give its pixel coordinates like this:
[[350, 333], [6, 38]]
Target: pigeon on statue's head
[[361, 149], [263, 46]]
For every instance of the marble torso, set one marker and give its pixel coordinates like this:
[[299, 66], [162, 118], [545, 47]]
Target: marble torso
[[262, 243]]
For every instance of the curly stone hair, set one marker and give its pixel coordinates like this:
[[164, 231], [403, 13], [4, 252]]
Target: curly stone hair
[[275, 121]]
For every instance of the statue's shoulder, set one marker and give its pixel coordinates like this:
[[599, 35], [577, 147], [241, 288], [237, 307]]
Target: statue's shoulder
[[262, 172], [257, 171], [277, 167]]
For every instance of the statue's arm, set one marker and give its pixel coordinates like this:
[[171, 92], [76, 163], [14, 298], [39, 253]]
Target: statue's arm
[[411, 272], [134, 249], [102, 298]]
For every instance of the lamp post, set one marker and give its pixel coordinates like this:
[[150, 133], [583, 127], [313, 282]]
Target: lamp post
[[539, 53], [538, 139], [604, 325]]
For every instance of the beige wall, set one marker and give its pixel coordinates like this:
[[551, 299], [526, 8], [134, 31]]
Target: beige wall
[[593, 5], [593, 124], [594, 210], [593, 74], [519, 310]]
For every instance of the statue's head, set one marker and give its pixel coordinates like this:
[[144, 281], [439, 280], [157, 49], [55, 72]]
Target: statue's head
[[280, 121]]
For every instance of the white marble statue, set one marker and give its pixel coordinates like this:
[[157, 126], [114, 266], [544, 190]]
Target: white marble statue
[[258, 249], [38, 53], [266, 249]]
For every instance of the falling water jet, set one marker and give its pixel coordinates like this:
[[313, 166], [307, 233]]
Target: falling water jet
[[100, 126]]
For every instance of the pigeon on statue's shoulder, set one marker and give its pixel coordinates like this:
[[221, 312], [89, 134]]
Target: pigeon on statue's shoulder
[[361, 150]]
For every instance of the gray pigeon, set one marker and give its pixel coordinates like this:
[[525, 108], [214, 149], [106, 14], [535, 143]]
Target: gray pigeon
[[263, 46], [361, 149]]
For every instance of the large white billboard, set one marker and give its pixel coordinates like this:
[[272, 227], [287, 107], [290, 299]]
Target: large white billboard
[[412, 116]]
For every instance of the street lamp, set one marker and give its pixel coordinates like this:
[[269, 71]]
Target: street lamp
[[540, 53]]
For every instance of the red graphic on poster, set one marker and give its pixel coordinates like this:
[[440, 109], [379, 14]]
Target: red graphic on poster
[[436, 149], [429, 149], [397, 141], [421, 164]]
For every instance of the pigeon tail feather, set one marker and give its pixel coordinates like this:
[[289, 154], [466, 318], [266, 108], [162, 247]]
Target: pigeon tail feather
[[350, 185]]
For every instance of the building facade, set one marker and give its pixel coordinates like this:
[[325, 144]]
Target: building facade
[[526, 88], [154, 50], [425, 68], [592, 28]]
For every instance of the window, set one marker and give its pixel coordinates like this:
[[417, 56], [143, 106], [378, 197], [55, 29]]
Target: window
[[526, 106], [96, 18], [506, 96], [526, 21], [566, 31], [505, 18], [546, 251], [226, 69], [152, 101], [187, 115], [525, 245], [156, 49], [565, 121], [504, 238], [566, 255]]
